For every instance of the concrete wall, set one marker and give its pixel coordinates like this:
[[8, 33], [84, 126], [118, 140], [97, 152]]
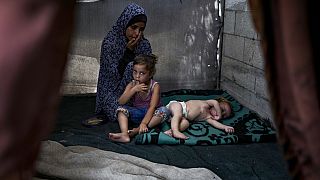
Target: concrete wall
[[242, 73], [182, 33]]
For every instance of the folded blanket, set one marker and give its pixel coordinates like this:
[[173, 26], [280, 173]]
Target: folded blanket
[[249, 126], [83, 162]]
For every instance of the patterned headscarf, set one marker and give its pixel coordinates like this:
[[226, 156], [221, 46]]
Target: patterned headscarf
[[110, 83]]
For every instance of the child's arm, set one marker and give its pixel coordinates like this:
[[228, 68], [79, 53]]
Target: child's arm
[[127, 94], [132, 88], [152, 107], [218, 125], [214, 103]]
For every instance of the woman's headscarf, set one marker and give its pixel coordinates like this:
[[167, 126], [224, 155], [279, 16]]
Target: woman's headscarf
[[110, 83]]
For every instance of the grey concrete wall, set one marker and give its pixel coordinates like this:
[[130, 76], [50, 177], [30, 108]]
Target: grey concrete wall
[[242, 73], [181, 32]]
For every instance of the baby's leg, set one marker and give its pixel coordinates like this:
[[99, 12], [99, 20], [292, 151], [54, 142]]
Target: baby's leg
[[123, 123], [176, 110], [184, 124]]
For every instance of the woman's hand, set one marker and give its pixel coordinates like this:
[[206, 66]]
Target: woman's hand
[[134, 41], [143, 128]]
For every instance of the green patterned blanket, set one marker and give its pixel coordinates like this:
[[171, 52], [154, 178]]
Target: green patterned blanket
[[249, 126]]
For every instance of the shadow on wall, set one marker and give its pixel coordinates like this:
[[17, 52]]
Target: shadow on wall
[[184, 34]]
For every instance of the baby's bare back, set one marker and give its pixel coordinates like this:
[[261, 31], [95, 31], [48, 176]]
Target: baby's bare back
[[198, 110]]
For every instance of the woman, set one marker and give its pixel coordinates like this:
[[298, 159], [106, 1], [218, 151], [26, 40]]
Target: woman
[[118, 50]]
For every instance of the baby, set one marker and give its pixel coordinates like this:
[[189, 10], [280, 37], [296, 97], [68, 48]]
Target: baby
[[183, 113]]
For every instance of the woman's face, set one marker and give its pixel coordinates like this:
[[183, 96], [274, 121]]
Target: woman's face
[[135, 30]]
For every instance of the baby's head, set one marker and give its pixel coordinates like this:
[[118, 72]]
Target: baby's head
[[226, 108], [144, 67]]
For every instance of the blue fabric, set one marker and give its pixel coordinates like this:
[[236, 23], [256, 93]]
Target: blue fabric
[[110, 83], [136, 114]]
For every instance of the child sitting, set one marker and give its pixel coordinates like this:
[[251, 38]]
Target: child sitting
[[145, 95]]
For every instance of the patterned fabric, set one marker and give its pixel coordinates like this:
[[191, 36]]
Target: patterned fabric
[[110, 83], [162, 112]]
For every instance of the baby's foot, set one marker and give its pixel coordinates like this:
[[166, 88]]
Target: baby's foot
[[168, 132], [178, 134], [119, 137], [133, 132]]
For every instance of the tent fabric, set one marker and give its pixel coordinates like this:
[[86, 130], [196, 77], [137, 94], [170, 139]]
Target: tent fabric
[[291, 42], [34, 41]]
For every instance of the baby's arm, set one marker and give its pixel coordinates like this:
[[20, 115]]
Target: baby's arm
[[214, 103], [218, 125]]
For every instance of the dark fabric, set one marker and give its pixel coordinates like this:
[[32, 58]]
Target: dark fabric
[[110, 83], [236, 161], [137, 18], [249, 126], [34, 41], [290, 33], [128, 56]]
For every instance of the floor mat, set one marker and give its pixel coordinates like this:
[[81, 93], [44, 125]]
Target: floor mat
[[249, 126], [238, 161]]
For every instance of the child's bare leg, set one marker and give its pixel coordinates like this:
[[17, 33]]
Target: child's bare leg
[[176, 111], [184, 124], [155, 121], [123, 136]]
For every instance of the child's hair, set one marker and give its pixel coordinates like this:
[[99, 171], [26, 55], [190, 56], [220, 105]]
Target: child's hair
[[222, 99], [149, 60]]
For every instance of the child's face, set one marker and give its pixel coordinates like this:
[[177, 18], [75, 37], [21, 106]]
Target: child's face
[[141, 74], [225, 110]]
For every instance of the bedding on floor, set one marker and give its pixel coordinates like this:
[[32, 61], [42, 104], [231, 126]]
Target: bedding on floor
[[83, 162], [244, 159]]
